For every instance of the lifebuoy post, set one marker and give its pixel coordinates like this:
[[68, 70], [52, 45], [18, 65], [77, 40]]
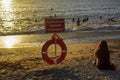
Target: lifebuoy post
[[53, 26]]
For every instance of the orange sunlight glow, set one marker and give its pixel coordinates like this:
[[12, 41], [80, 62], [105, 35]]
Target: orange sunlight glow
[[10, 41]]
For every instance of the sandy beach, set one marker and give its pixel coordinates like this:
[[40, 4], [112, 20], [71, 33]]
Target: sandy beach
[[27, 63]]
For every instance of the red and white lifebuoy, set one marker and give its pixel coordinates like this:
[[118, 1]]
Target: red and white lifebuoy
[[45, 47]]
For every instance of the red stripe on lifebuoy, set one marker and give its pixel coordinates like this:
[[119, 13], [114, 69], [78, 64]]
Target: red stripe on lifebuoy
[[60, 58]]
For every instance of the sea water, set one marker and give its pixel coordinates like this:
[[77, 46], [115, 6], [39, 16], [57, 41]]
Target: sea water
[[22, 16], [29, 15]]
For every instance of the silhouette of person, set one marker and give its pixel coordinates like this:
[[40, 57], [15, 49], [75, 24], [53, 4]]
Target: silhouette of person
[[111, 19], [78, 22], [85, 19], [73, 19], [102, 57], [101, 17]]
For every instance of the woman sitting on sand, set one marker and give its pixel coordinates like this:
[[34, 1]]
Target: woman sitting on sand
[[102, 57]]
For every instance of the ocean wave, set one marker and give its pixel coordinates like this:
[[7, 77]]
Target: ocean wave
[[103, 28]]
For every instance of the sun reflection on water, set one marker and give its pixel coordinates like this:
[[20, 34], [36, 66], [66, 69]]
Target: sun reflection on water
[[7, 13], [6, 4], [10, 41]]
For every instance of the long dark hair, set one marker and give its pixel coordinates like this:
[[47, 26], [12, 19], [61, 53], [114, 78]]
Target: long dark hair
[[103, 49]]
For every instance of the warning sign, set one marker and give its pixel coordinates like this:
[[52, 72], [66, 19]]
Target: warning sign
[[54, 25]]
